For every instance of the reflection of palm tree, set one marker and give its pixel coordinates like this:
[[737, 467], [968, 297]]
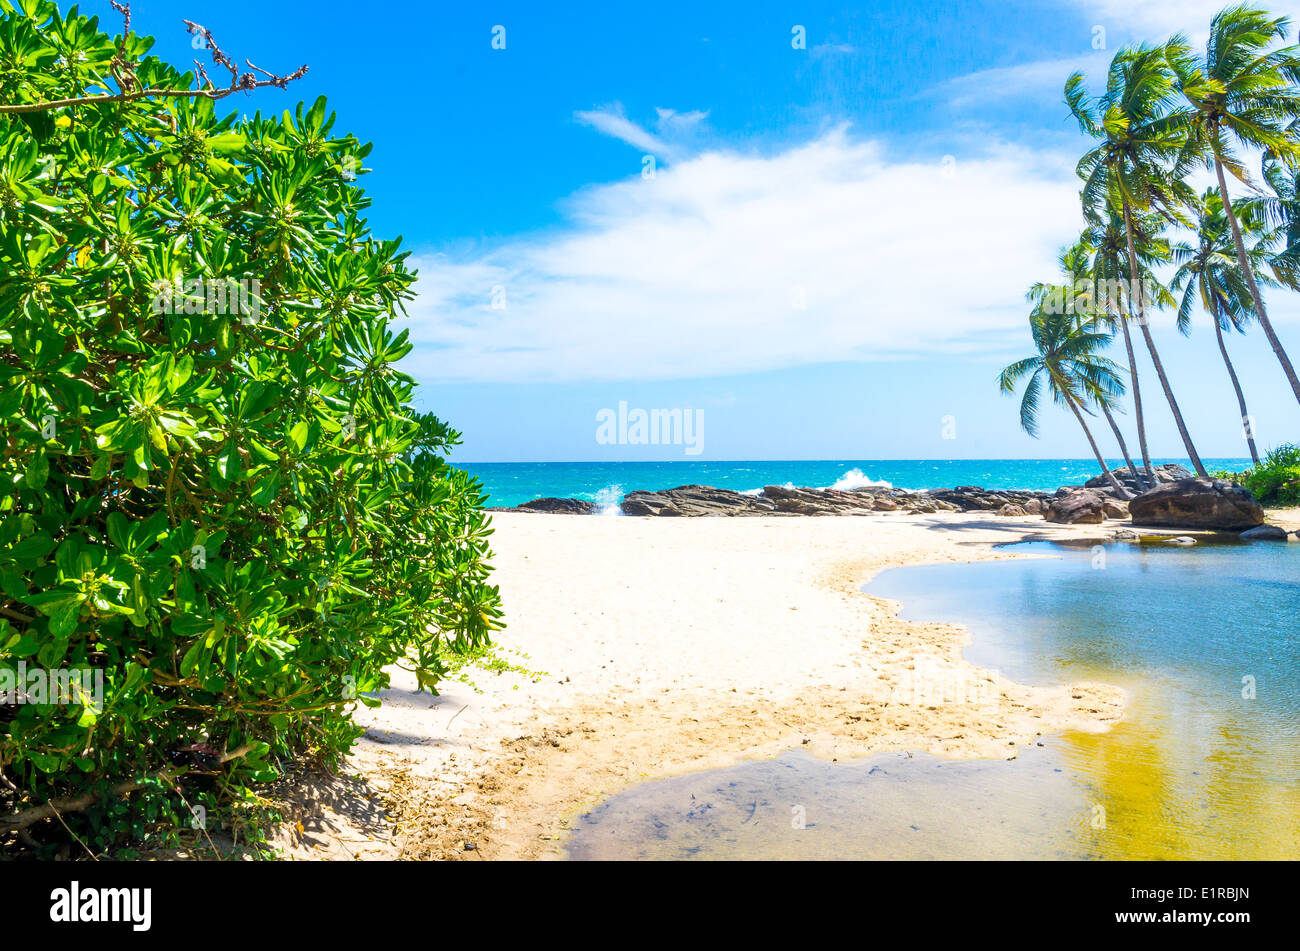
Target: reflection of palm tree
[[1240, 93], [1210, 270], [1067, 360], [1137, 167]]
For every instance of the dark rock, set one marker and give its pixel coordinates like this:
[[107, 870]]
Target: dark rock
[[967, 498], [823, 501], [1197, 503], [696, 500], [561, 506], [1264, 533], [1081, 506]]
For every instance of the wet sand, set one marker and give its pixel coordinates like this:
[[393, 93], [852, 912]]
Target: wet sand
[[673, 645]]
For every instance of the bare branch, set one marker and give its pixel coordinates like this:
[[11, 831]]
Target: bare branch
[[125, 10], [130, 89], [16, 615]]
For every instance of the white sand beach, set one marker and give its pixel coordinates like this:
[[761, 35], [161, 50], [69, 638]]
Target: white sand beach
[[672, 645]]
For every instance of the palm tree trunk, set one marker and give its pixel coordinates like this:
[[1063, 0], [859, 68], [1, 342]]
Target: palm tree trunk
[[1247, 428], [1123, 447], [1264, 322], [1135, 292], [1137, 401], [1115, 484]]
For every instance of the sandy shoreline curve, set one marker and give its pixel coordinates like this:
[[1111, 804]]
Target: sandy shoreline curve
[[673, 645]]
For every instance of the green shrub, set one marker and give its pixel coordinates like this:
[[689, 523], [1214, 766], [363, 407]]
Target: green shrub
[[1276, 480], [218, 497]]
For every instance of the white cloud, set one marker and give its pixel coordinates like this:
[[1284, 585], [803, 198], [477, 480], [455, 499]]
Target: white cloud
[[696, 272], [1156, 20], [1150, 21]]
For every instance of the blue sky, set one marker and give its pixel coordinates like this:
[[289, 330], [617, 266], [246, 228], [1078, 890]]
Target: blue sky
[[830, 257]]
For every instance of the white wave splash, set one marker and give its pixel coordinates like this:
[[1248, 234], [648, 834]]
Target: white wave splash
[[855, 479], [608, 500]]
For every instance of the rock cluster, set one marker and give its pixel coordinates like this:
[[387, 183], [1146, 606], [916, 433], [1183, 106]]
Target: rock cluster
[[1169, 472], [690, 501], [1180, 501]]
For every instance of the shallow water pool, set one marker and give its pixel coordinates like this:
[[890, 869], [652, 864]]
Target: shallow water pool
[[1206, 764]]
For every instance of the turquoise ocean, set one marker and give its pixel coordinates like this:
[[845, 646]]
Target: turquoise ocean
[[513, 483]]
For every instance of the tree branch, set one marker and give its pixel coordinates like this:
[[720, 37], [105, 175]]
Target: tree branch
[[131, 90], [55, 807]]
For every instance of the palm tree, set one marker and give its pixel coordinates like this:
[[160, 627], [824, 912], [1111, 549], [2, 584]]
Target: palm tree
[[1109, 273], [1209, 270], [1282, 211], [1240, 94], [1137, 167], [1078, 296], [1067, 360]]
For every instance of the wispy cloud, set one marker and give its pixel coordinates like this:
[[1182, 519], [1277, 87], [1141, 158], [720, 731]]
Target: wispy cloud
[[728, 262], [830, 49], [1156, 20], [1022, 81], [674, 136], [611, 121]]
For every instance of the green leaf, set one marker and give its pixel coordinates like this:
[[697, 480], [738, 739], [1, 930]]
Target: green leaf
[[31, 547], [38, 471]]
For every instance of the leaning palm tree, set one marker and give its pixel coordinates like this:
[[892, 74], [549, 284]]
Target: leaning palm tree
[[1067, 361], [1137, 167], [1209, 270], [1241, 94], [1078, 296], [1111, 236]]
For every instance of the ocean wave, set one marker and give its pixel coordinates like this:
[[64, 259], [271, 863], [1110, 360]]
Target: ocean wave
[[608, 499], [855, 479]]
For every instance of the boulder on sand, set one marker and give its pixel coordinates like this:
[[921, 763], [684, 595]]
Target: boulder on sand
[[1197, 503], [1264, 533], [560, 506], [1113, 508], [1011, 510], [1081, 506], [695, 500]]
